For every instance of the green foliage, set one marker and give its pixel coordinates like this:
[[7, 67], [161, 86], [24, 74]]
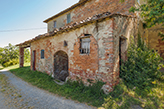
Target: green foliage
[[75, 90], [9, 55], [142, 66], [152, 12], [122, 97], [141, 84], [1, 67], [26, 56]]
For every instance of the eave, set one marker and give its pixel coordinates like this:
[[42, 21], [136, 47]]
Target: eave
[[95, 18], [66, 10]]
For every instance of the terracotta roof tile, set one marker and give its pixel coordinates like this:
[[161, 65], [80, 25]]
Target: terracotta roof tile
[[76, 24]]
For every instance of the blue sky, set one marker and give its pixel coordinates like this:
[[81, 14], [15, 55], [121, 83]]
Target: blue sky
[[27, 14]]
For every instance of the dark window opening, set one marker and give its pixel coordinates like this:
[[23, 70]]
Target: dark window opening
[[69, 18], [85, 45], [42, 54], [87, 35]]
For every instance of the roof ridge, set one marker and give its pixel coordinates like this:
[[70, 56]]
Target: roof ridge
[[66, 10], [75, 24]]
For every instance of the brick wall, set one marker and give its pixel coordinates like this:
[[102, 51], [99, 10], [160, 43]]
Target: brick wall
[[125, 29], [101, 63], [91, 8]]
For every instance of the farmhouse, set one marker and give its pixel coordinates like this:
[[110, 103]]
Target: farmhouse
[[85, 41]]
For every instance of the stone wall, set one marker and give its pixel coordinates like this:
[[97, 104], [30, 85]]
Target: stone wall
[[102, 63], [152, 38], [125, 30], [95, 65], [91, 8]]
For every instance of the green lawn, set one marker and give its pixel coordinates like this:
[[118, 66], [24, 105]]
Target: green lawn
[[1, 67], [121, 98]]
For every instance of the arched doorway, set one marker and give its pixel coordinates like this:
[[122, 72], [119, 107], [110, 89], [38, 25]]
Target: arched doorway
[[61, 65]]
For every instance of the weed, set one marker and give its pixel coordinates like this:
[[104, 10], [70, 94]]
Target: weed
[[141, 84], [75, 90]]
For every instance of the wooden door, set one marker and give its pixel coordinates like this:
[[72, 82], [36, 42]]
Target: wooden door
[[34, 60]]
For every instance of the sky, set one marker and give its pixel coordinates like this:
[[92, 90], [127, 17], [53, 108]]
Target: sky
[[21, 20]]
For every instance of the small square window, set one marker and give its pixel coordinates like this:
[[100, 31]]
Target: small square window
[[85, 45], [42, 54], [55, 24], [69, 18]]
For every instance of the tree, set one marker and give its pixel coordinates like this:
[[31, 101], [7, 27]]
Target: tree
[[152, 11], [9, 55]]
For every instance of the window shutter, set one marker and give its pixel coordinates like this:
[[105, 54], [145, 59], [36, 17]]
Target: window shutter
[[42, 54]]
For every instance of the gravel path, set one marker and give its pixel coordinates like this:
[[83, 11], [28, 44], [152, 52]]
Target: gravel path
[[18, 94]]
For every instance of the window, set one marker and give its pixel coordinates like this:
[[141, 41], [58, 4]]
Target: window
[[85, 45], [54, 24], [42, 54], [69, 18]]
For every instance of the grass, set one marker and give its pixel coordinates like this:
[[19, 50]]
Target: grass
[[1, 67], [71, 90], [17, 66], [122, 96]]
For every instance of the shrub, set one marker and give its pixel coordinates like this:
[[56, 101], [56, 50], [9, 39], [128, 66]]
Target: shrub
[[11, 62], [142, 66], [9, 55]]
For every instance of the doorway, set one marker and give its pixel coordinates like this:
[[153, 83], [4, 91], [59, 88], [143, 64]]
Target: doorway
[[34, 60], [61, 65]]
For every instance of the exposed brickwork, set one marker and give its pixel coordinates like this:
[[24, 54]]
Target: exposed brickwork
[[99, 6], [84, 66], [21, 56], [101, 63], [93, 7], [110, 38], [124, 29]]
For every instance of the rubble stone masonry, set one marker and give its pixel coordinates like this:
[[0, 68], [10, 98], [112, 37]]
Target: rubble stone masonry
[[102, 63]]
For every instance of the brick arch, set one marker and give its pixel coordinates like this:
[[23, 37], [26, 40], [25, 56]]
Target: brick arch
[[61, 65], [84, 66]]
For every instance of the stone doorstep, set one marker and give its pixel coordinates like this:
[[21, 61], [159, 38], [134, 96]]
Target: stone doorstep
[[60, 82]]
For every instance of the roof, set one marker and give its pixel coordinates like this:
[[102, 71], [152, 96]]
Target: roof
[[97, 17], [81, 2]]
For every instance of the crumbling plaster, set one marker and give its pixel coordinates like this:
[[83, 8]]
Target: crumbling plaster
[[103, 60]]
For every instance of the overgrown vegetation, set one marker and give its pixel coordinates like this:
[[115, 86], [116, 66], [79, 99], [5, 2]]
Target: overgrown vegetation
[[1, 67], [9, 55], [152, 11], [141, 83], [142, 66]]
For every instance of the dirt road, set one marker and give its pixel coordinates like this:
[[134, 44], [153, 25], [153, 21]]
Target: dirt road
[[18, 94]]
